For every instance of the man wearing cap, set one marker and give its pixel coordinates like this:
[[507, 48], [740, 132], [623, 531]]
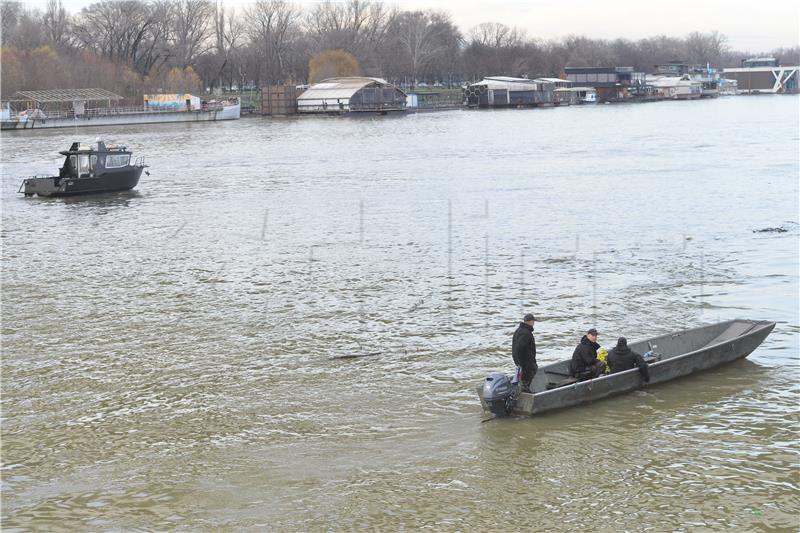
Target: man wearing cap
[[585, 364], [622, 358], [523, 350]]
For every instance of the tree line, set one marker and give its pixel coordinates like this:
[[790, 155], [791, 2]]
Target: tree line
[[137, 46]]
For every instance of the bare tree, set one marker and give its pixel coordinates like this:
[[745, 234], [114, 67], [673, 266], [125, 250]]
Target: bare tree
[[228, 34], [9, 18], [192, 29], [496, 35], [56, 24], [156, 46], [422, 36], [271, 24], [705, 47], [495, 48], [114, 29], [21, 26], [357, 26]]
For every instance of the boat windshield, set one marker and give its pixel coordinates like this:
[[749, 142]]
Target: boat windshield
[[117, 160]]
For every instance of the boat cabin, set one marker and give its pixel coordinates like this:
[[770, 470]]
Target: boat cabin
[[89, 161]]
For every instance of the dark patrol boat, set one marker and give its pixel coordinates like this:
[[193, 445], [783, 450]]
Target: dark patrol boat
[[89, 169]]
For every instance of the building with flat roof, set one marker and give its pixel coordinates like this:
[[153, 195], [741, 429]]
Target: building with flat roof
[[673, 68], [755, 62], [763, 75], [611, 83]]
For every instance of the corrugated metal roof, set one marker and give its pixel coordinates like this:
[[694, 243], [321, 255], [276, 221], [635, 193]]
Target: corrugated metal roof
[[66, 95], [509, 83], [508, 79], [340, 88]]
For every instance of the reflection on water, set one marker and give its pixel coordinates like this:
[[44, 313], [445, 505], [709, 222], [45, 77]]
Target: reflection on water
[[283, 326]]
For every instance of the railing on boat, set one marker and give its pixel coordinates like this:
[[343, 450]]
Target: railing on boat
[[115, 111]]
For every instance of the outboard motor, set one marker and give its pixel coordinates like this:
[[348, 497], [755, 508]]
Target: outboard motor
[[500, 392]]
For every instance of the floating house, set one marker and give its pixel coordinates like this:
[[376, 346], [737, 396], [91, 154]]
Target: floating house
[[352, 95], [561, 93], [764, 75], [673, 88], [708, 78], [505, 91], [612, 84], [704, 74], [431, 101], [577, 95]]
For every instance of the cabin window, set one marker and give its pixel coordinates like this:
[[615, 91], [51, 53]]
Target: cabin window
[[83, 165], [73, 162], [117, 160], [92, 164]]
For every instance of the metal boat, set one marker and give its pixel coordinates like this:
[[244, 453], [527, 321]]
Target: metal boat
[[89, 169], [675, 355]]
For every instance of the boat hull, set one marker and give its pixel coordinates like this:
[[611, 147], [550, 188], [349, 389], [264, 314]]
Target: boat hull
[[117, 181], [228, 112], [688, 352]]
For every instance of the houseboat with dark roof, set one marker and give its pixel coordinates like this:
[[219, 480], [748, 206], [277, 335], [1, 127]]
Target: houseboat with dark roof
[[89, 169]]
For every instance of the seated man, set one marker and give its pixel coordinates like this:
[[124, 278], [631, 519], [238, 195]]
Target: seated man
[[585, 364], [623, 358]]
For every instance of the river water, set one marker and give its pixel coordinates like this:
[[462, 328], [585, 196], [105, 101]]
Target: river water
[[282, 328]]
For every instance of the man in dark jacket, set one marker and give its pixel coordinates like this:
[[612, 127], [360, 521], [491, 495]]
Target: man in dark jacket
[[585, 364], [523, 350], [623, 358]]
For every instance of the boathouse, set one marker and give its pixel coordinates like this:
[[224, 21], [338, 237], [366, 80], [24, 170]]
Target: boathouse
[[764, 75], [674, 88], [351, 95], [561, 90], [505, 91], [611, 83]]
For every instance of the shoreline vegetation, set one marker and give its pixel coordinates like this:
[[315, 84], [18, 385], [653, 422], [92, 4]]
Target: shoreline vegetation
[[132, 47]]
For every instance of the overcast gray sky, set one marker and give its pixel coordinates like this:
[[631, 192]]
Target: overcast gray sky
[[749, 25]]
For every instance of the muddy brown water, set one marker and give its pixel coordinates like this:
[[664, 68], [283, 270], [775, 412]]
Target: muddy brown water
[[283, 326]]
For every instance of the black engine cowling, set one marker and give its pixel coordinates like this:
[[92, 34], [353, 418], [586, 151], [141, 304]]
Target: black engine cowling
[[500, 392]]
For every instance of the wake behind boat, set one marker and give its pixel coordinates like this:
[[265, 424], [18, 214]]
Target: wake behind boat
[[679, 354], [89, 169]]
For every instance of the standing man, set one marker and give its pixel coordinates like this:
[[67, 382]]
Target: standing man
[[523, 350], [585, 364]]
